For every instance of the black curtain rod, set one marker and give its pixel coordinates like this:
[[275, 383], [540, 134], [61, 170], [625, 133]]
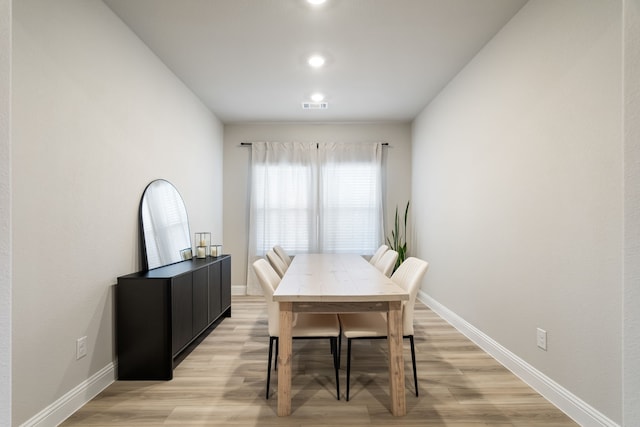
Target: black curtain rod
[[249, 144]]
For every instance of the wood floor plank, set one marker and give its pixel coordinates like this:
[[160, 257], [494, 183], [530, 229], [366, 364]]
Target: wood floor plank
[[222, 383]]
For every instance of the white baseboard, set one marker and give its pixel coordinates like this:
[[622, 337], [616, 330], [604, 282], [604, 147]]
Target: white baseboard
[[64, 407], [563, 399], [238, 290]]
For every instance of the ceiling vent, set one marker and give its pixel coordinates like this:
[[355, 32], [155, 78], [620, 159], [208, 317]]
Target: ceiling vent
[[315, 105]]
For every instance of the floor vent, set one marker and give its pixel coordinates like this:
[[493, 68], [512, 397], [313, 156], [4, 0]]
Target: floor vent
[[315, 105]]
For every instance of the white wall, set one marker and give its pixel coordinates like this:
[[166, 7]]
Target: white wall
[[237, 164], [5, 212], [631, 373], [96, 117], [518, 194]]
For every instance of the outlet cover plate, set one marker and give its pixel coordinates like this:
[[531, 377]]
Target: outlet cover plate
[[542, 339], [81, 347]]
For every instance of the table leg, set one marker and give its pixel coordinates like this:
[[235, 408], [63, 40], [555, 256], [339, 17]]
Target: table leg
[[396, 361], [284, 359]]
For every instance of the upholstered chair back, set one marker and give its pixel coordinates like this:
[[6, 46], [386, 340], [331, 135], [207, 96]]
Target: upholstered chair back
[[284, 256], [269, 281], [409, 276], [276, 262], [386, 262], [378, 253]]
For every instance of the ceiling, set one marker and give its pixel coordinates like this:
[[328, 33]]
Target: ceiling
[[246, 59]]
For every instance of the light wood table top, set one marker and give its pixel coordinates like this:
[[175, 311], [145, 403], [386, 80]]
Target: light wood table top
[[336, 278]]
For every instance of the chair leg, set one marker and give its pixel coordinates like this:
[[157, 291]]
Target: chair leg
[[334, 344], [348, 365], [271, 340], [339, 347], [413, 359], [275, 366]]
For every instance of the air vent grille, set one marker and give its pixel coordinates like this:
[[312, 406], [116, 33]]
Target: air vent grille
[[315, 105]]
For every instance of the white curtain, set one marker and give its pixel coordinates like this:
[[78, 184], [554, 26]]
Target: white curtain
[[350, 191], [309, 197], [284, 200]]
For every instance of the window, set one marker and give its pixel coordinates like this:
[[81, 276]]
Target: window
[[309, 197]]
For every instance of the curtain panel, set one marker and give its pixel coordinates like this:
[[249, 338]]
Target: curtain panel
[[350, 198]]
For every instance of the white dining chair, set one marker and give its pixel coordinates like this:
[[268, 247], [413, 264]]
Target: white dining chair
[[373, 325], [378, 253], [386, 262], [305, 325], [284, 256], [277, 263]]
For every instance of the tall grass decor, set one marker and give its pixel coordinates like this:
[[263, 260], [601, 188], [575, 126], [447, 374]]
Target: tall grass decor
[[398, 239]]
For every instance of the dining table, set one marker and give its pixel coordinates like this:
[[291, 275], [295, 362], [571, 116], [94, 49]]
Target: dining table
[[339, 283]]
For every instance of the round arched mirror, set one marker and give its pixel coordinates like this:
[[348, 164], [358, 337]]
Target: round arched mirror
[[164, 224]]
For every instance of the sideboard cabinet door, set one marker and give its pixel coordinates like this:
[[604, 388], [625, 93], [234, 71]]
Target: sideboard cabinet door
[[200, 300], [182, 312], [214, 291]]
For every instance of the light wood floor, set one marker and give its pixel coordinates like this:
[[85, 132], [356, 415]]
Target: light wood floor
[[222, 382]]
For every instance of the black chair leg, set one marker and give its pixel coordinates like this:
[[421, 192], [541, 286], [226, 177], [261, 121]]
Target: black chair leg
[[413, 359], [348, 365], [271, 340], [275, 366], [334, 344]]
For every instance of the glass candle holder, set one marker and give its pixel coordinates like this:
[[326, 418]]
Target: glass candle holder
[[202, 244], [216, 250], [186, 253]]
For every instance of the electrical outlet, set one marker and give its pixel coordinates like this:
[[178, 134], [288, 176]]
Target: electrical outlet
[[81, 347], [542, 339]]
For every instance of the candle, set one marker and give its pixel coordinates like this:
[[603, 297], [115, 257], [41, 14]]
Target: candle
[[200, 252]]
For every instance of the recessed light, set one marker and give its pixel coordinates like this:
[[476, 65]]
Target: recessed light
[[316, 2], [317, 97], [316, 61]]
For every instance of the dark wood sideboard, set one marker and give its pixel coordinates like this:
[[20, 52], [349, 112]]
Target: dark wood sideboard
[[160, 312]]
